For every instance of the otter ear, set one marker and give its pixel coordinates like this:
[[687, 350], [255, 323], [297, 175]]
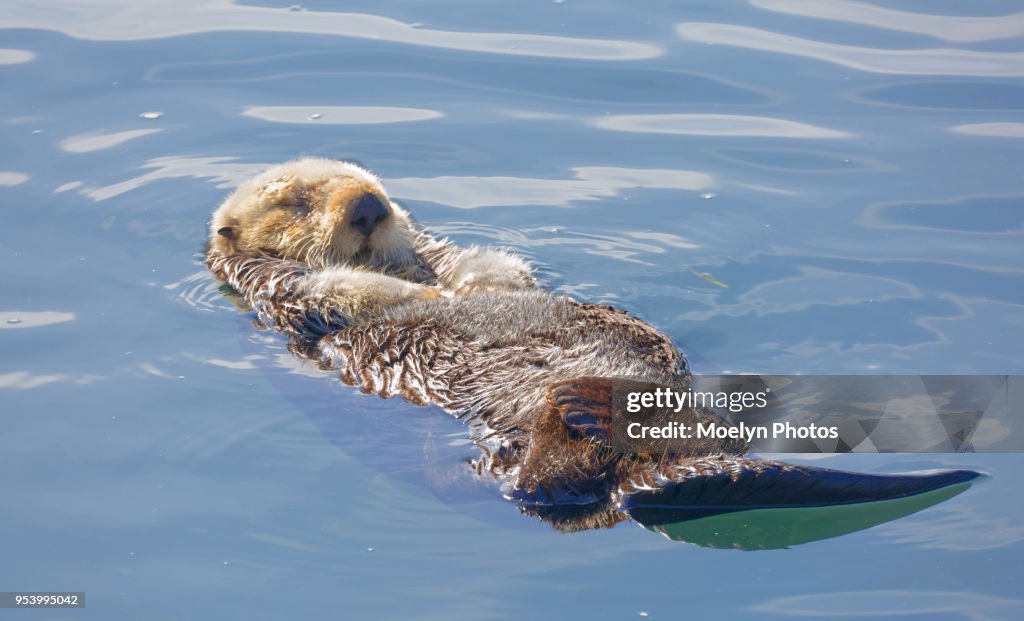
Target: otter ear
[[227, 231]]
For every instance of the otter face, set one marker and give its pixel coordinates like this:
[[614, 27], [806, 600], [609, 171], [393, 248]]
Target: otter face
[[320, 212]]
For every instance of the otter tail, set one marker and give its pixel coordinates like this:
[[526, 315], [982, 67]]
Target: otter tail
[[723, 484]]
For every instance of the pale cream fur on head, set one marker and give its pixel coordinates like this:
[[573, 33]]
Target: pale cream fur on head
[[301, 210]]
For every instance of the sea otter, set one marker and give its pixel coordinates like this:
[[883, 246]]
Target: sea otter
[[320, 251]]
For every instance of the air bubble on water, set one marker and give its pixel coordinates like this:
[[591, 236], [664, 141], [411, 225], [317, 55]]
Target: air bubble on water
[[707, 195], [369, 549], [151, 115]]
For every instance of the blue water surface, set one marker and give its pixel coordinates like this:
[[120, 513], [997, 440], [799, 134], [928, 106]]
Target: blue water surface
[[781, 186]]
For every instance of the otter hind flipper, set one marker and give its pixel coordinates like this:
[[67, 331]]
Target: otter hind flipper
[[584, 405], [724, 484]]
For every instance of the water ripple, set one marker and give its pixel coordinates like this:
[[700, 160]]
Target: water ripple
[[26, 380], [10, 320], [955, 527], [15, 57], [962, 29], [225, 172], [986, 214], [200, 291], [935, 61], [714, 125], [10, 178], [113, 20], [86, 143], [811, 287], [955, 94], [589, 183], [891, 603], [380, 69], [340, 115], [994, 130]]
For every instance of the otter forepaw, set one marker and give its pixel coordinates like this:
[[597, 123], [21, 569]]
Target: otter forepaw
[[584, 405], [486, 269], [425, 293]]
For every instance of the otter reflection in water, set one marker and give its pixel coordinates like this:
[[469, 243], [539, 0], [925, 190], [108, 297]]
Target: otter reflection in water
[[322, 254]]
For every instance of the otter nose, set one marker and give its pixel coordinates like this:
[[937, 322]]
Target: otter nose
[[369, 213]]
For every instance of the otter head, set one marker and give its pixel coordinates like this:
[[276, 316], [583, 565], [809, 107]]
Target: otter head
[[320, 212]]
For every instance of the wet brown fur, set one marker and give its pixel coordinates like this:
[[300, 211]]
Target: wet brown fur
[[483, 343]]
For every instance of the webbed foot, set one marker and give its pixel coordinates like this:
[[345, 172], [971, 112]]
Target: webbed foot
[[585, 405]]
